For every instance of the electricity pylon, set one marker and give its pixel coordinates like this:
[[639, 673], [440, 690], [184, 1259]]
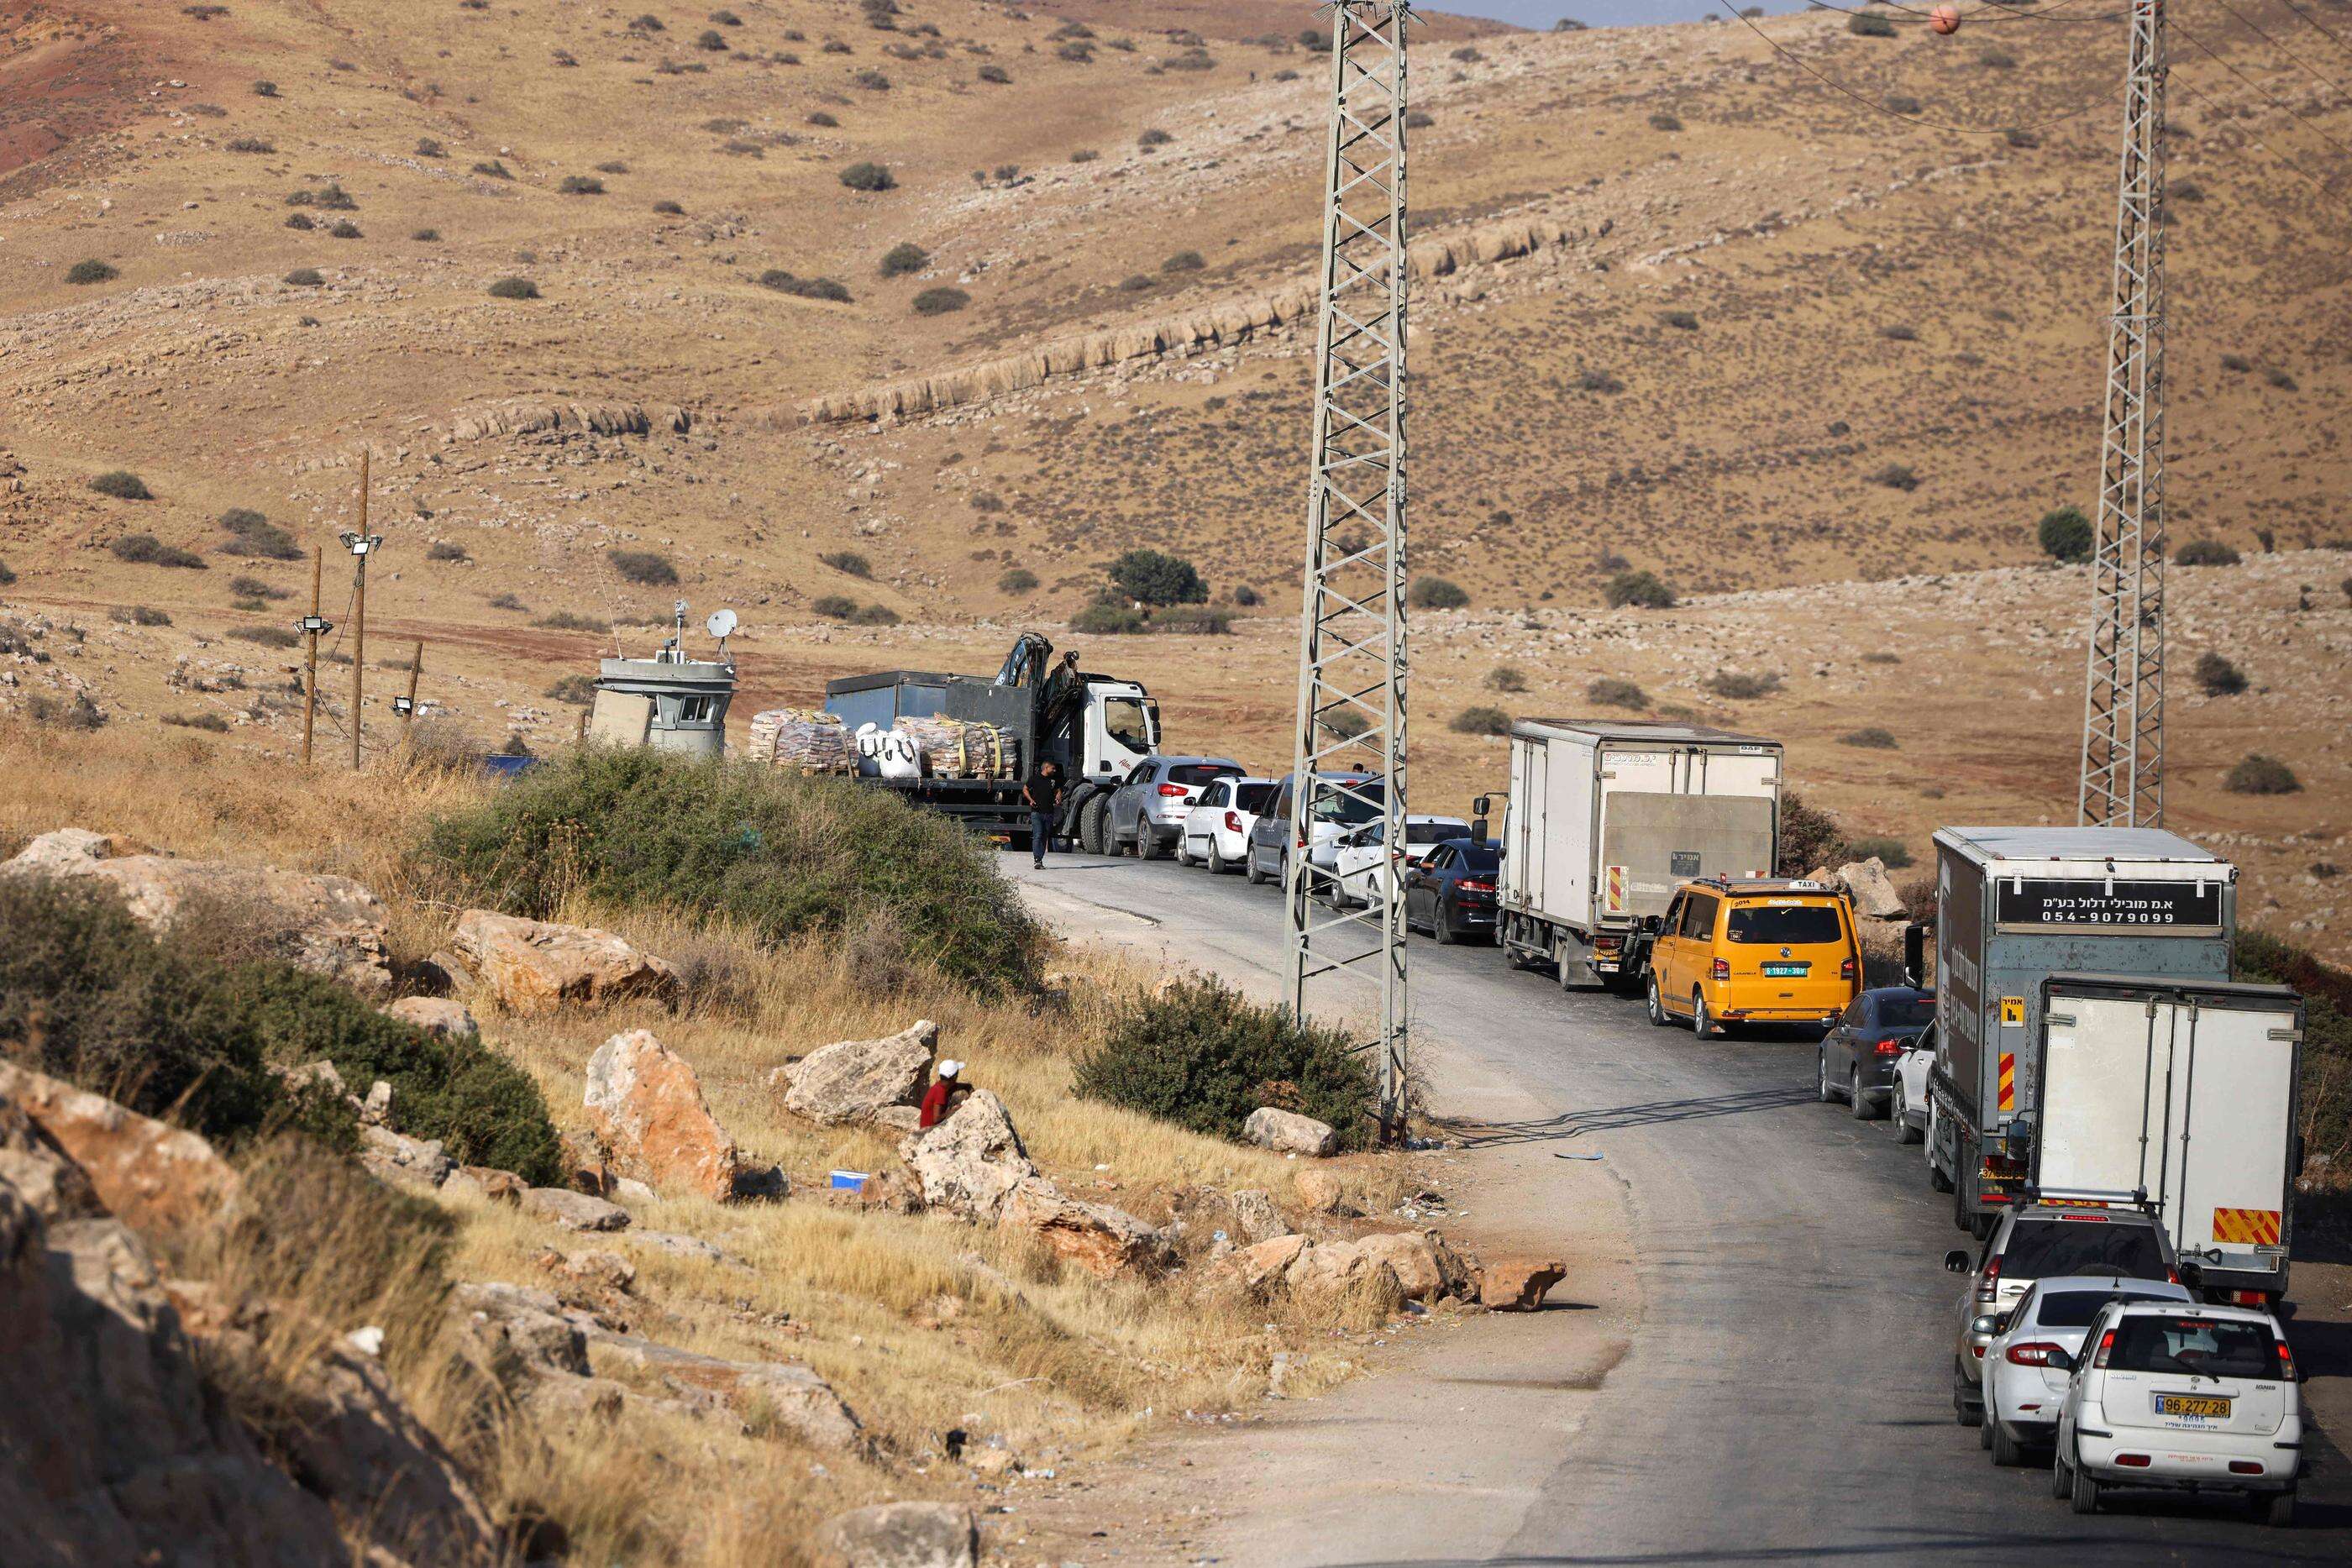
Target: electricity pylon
[[2123, 703], [1350, 755]]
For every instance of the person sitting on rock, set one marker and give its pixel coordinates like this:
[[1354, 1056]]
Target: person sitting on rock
[[940, 1099]]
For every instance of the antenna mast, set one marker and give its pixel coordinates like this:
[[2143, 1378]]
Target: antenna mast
[[1352, 659], [2123, 704]]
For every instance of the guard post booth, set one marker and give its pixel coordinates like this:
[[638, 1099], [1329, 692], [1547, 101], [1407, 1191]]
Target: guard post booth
[[669, 701]]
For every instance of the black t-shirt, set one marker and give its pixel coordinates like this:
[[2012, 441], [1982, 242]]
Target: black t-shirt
[[1042, 794]]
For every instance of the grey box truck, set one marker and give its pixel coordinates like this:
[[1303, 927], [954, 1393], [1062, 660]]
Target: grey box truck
[[2014, 907]]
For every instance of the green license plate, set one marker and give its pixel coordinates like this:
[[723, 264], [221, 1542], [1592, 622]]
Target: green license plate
[[2193, 1405], [1786, 970]]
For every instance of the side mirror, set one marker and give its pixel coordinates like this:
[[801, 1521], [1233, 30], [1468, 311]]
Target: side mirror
[[1478, 807], [1955, 1261], [2192, 1275], [2058, 1361], [1478, 829]]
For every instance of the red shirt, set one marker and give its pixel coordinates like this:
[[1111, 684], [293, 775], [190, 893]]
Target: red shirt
[[935, 1101]]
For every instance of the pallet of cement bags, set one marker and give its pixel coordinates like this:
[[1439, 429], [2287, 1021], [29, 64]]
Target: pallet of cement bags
[[962, 748], [803, 739]]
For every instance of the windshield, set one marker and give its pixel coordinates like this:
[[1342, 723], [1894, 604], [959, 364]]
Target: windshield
[[2202, 1347], [2046, 1249], [1199, 772], [1906, 1012], [1124, 722], [1432, 832], [1784, 924], [1252, 797], [2076, 1309], [1350, 810]]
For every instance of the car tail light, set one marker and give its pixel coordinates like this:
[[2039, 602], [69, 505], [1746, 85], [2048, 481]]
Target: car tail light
[[2245, 1468], [1977, 1351], [1174, 791], [2034, 1354], [2107, 1344], [2287, 1362], [1989, 1282], [2171, 1275], [1232, 822], [1467, 885], [1721, 971], [2132, 1461], [1891, 1046], [1846, 968], [1607, 944]]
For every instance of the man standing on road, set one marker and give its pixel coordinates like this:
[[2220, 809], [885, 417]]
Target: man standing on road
[[1042, 796]]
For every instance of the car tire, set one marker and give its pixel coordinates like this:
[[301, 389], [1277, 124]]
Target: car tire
[[1964, 1410], [2277, 1509], [1857, 1099], [1442, 933], [2085, 1492], [2008, 1453], [1821, 1090], [1091, 824], [1701, 1025], [1216, 862], [1185, 851], [1899, 1112], [1988, 1434], [2061, 1476], [1250, 873], [1657, 1005]]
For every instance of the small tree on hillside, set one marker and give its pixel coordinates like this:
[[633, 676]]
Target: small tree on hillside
[[2066, 534], [1153, 577]]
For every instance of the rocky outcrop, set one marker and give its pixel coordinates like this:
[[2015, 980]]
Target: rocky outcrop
[[1333, 1267], [523, 416], [1289, 1133], [406, 1162], [533, 966], [1416, 1258], [1517, 1284], [1217, 325], [572, 1210], [900, 1535], [160, 1179], [1319, 1191], [1105, 1241], [438, 1015], [328, 925], [1264, 1265], [852, 1080], [971, 1162], [645, 1103], [784, 1392]]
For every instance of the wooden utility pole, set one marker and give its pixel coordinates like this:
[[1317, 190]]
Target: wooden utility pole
[[360, 545], [408, 705], [311, 626]]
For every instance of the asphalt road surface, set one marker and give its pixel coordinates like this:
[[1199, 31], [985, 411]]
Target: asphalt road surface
[[1787, 1393]]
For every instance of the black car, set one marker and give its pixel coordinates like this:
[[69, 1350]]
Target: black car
[[1858, 1054], [1451, 891]]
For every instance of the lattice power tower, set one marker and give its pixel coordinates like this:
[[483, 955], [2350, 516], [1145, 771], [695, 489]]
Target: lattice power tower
[[1349, 965], [2122, 704]]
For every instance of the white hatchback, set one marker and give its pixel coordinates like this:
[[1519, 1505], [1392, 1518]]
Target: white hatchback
[[2184, 1398], [1216, 833], [2021, 1390], [1359, 860]]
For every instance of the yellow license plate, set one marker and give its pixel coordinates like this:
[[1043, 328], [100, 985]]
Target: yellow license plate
[[2191, 1404]]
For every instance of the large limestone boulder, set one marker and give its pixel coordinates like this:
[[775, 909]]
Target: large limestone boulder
[[853, 1079], [1289, 1133], [328, 925], [1413, 1257], [407, 1162], [784, 1392], [533, 966], [572, 1210], [1105, 1241], [646, 1105], [971, 1162], [436, 1015], [1256, 1218], [163, 1180], [1262, 1266], [1872, 891], [1518, 1284], [900, 1535]]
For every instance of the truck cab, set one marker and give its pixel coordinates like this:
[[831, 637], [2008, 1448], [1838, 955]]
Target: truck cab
[[1120, 729]]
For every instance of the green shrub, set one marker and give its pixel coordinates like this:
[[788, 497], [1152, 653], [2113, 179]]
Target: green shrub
[[783, 282], [1662, 120], [1343, 723], [1740, 687], [867, 177], [565, 620], [1810, 839], [580, 185], [264, 90], [578, 690], [305, 278], [1435, 593], [2205, 552], [783, 854], [138, 615], [268, 636], [1248, 597], [514, 289], [91, 271], [1870, 738], [1610, 692], [1155, 137], [1480, 721], [1639, 591], [1019, 579], [1896, 476], [1192, 621], [1204, 1057], [248, 144], [940, 301], [645, 568], [122, 485], [2066, 534], [996, 76], [210, 723], [848, 561], [1184, 261], [1892, 854], [255, 535], [904, 257], [2218, 676], [1863, 24], [445, 550], [833, 606], [2257, 774], [425, 236], [1506, 678], [1154, 577], [1108, 621], [6, 575], [1680, 320], [876, 615], [146, 549]]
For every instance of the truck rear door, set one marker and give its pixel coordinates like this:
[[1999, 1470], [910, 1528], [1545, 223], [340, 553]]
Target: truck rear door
[[2227, 1152], [2101, 1126]]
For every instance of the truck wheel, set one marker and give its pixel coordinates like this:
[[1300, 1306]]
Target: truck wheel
[[1657, 1005], [1574, 969], [1090, 825]]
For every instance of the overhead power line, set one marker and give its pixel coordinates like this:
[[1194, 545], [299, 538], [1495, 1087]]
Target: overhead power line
[[2314, 180], [2244, 22], [2330, 32], [2274, 101]]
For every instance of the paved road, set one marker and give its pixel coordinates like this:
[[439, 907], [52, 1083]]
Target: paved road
[[1787, 1393]]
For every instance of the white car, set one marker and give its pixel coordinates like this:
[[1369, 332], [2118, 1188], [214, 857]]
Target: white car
[[2181, 1397], [1216, 833], [1907, 1108], [1358, 858], [2022, 1389]]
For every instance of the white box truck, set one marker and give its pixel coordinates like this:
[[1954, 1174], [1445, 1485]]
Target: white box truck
[[2178, 1097], [1607, 817]]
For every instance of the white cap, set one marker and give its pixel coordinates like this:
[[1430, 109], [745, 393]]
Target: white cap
[[950, 1068]]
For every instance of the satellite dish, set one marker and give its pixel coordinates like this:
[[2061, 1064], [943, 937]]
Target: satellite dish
[[722, 624]]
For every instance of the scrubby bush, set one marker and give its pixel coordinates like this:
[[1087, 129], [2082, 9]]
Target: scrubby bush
[[783, 282], [6, 575], [646, 569], [1480, 721], [305, 277], [248, 144], [2066, 534], [2257, 774], [425, 236], [1204, 1057], [138, 615], [833, 606], [2205, 552], [2326, 1100], [1680, 320], [580, 185], [146, 549], [940, 301], [1191, 620], [711, 39], [514, 289], [1343, 723], [92, 271], [1662, 120], [1248, 597], [268, 636], [1018, 580], [1506, 678], [904, 257], [1740, 687], [784, 856], [848, 561], [2218, 676], [1864, 25], [1896, 476], [255, 535], [1154, 137], [1108, 621], [1870, 738], [210, 723], [1810, 839], [565, 620], [1435, 593], [302, 221], [1639, 591], [996, 76], [1184, 261], [1154, 577], [1892, 854], [1610, 691], [122, 485], [264, 90], [875, 615], [1599, 380], [669, 209], [578, 690], [495, 169]]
